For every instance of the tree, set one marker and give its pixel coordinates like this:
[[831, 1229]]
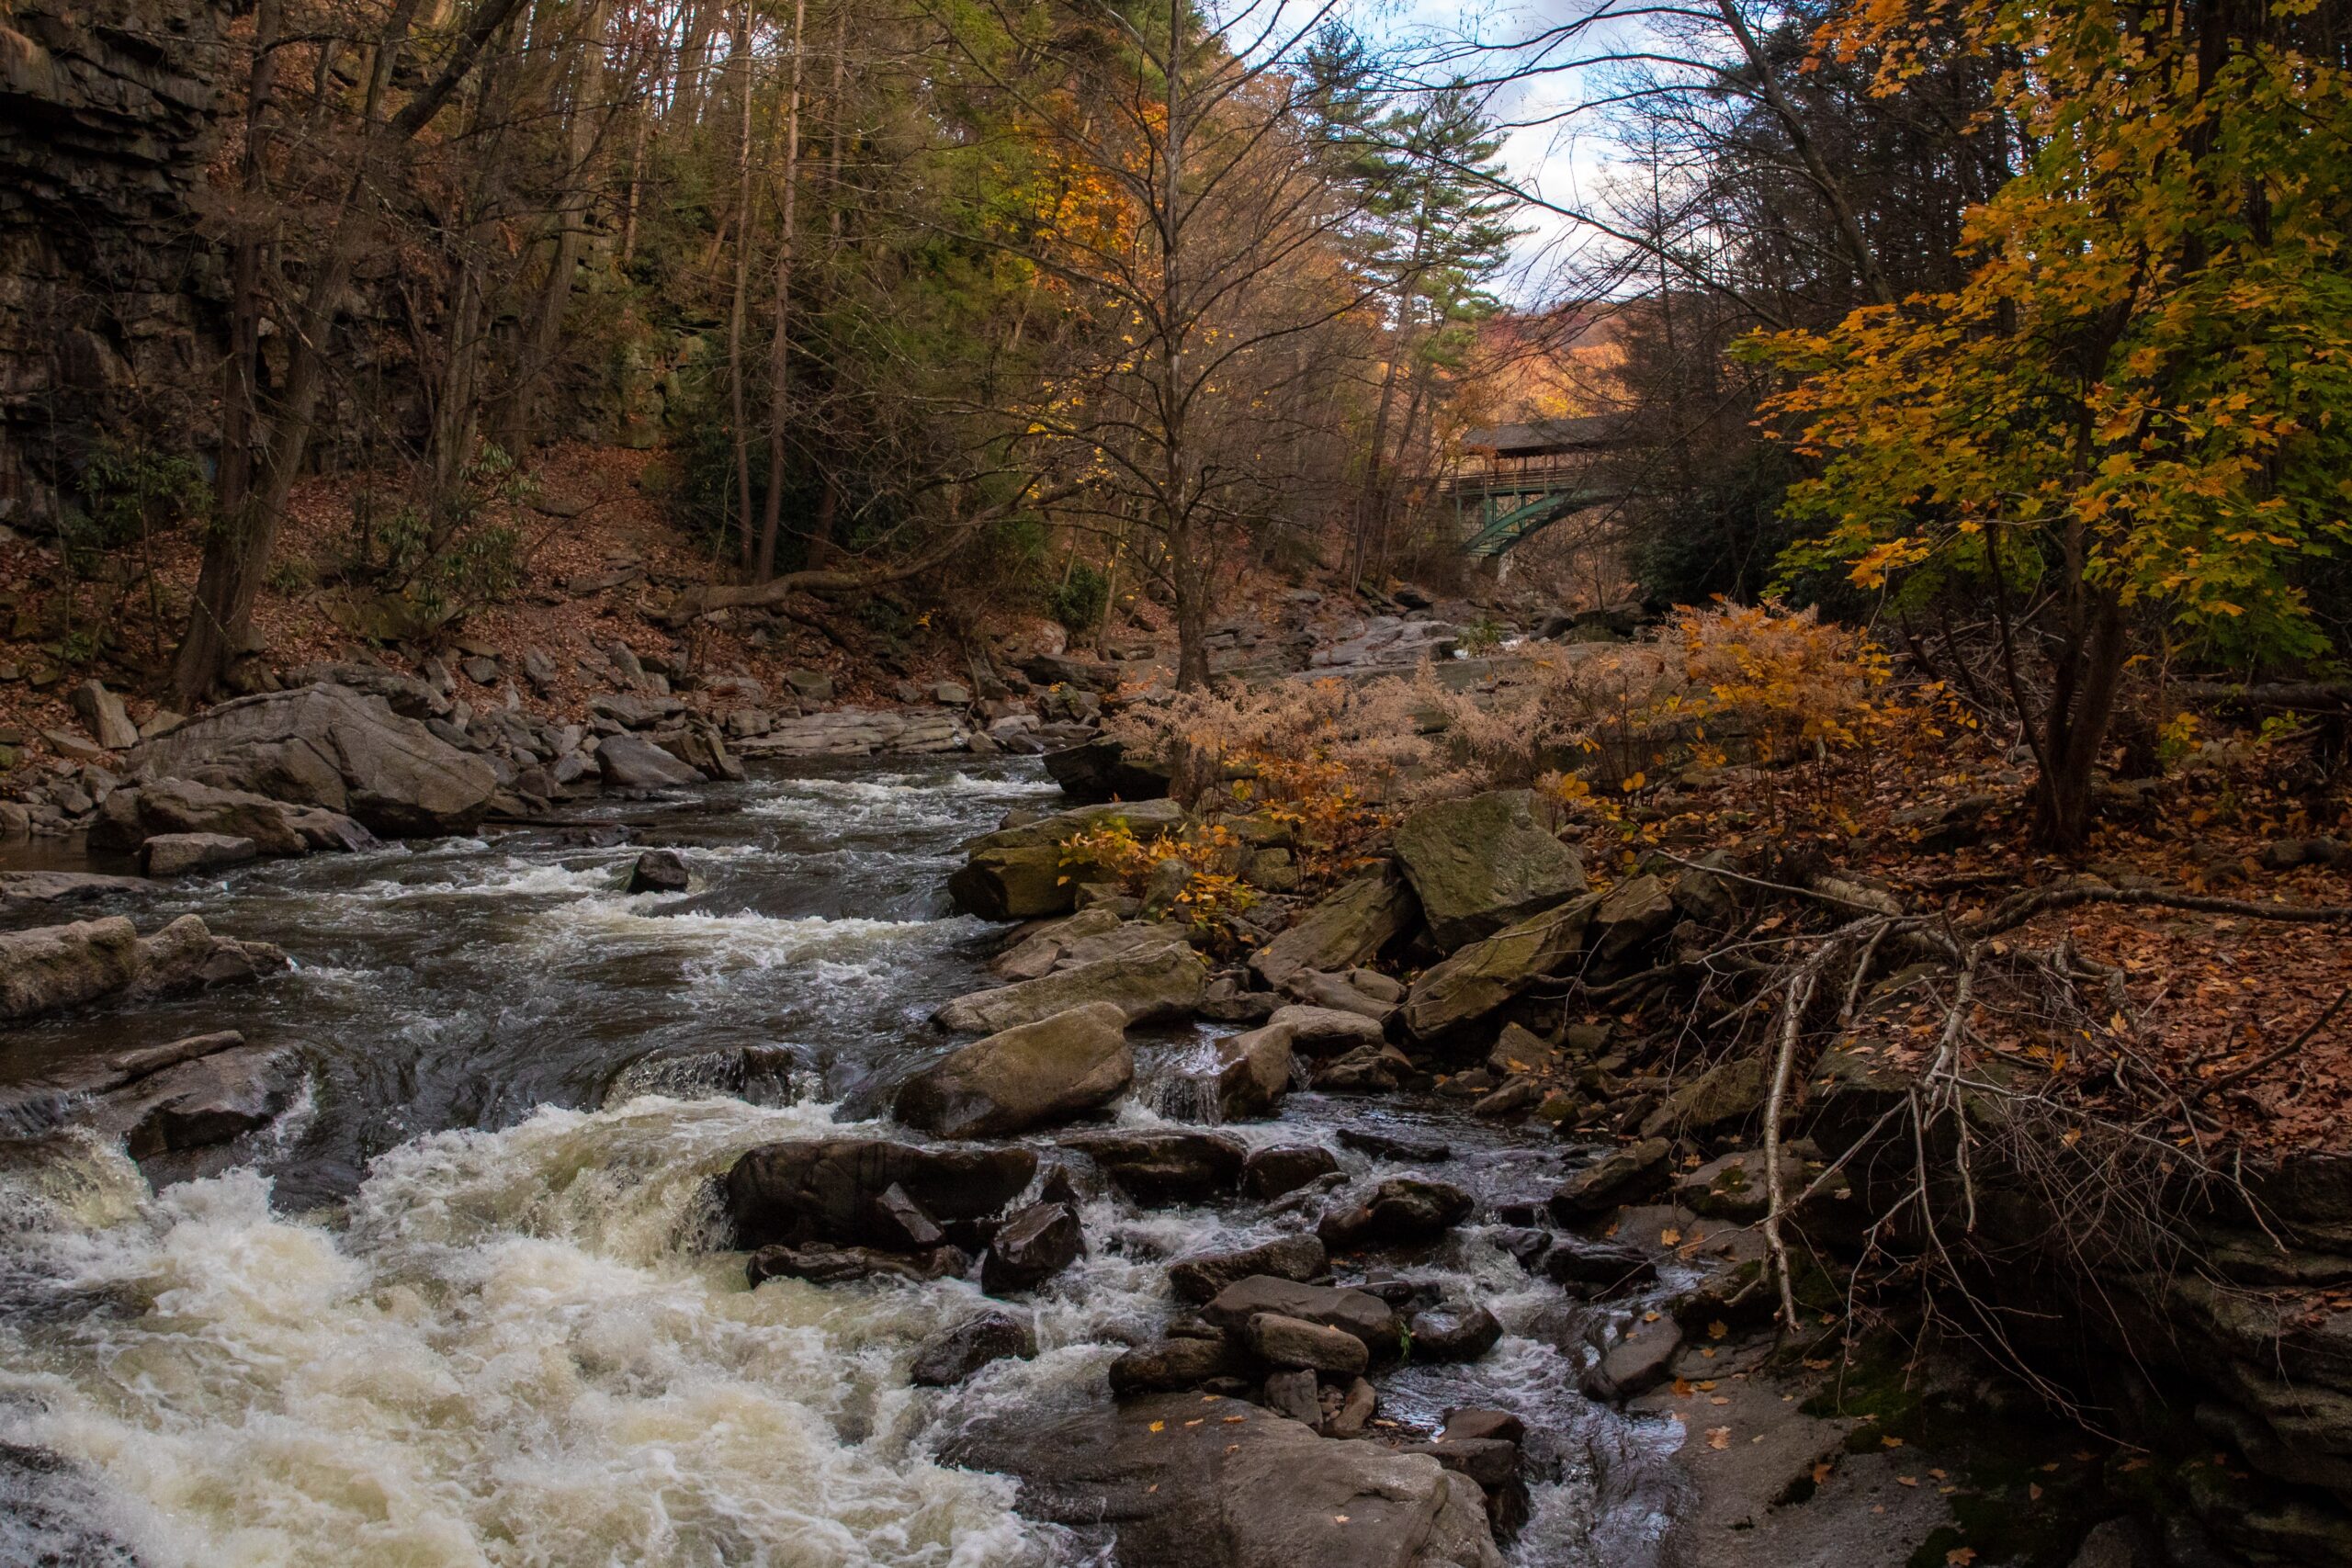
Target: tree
[[2130, 426]]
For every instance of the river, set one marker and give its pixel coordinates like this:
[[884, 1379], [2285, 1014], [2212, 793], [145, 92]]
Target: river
[[464, 1304]]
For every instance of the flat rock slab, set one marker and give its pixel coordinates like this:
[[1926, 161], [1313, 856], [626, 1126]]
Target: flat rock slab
[[1175, 1481], [63, 886]]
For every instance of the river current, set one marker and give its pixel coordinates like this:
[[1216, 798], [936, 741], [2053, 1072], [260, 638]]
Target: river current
[[463, 1306]]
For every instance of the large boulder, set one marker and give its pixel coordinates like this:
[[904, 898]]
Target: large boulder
[[1025, 1077], [1199, 1278], [629, 761], [1729, 1091], [1252, 1072], [1342, 931], [1360, 1313], [1484, 976], [1104, 770], [1170, 1167], [1086, 937], [328, 746], [51, 968], [831, 1190], [176, 854], [156, 808], [1018, 873], [1244, 1489], [954, 1354], [1162, 983], [1404, 1211], [1481, 863], [208, 1099], [1031, 1248]]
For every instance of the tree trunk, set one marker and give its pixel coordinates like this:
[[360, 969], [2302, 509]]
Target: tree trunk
[[238, 545], [780, 346], [2077, 730], [742, 293], [582, 131]]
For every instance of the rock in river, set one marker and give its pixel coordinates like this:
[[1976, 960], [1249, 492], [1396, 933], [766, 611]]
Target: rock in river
[[1161, 983], [1031, 1248], [1017, 874], [1172, 1167], [328, 746], [1199, 1278], [1345, 929], [828, 1190], [952, 1355], [1025, 1077], [1249, 1489], [49, 968]]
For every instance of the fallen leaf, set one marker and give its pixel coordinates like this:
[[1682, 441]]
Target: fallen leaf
[[1339, 1518], [2033, 1491], [1821, 1472], [1719, 1436], [1717, 1329], [1159, 1426], [1892, 1442], [1906, 1481], [1961, 1556], [1669, 1236]]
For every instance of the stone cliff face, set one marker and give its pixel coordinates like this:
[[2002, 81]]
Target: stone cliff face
[[110, 325]]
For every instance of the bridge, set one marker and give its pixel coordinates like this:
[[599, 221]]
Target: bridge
[[1532, 475]]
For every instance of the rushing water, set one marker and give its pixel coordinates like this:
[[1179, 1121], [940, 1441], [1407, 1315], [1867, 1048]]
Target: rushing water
[[463, 1306]]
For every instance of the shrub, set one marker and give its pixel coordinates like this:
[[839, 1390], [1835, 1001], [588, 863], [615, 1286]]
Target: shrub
[[1078, 600]]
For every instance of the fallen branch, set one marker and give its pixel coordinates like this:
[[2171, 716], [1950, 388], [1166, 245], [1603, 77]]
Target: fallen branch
[[2017, 912], [2280, 1054]]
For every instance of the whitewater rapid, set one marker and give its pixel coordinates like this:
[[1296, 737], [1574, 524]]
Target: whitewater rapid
[[470, 1305]]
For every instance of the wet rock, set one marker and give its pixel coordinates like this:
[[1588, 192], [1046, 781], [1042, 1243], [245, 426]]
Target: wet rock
[[211, 1098], [22, 887], [1365, 1070], [1492, 1462], [1347, 929], [1031, 1248], [1252, 1073], [1730, 1091], [1025, 1077], [331, 747], [1616, 1176], [1200, 1278], [858, 732], [1327, 1031], [1453, 1330], [1278, 1168], [1163, 982], [1403, 1210], [1482, 863], [1517, 1096], [1018, 873], [1044, 947], [821, 1263], [954, 1354], [658, 870], [629, 761], [49, 968], [1395, 1145], [1293, 1342], [1472, 1425], [1172, 1167], [762, 1075], [1639, 1362], [185, 956], [1257, 1491], [903, 1224], [1599, 1271], [1360, 1314], [1104, 770], [1484, 974], [176, 854], [824, 1189], [1526, 1245], [1172, 1364], [135, 813]]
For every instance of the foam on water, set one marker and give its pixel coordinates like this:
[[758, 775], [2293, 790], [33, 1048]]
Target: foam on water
[[515, 1353]]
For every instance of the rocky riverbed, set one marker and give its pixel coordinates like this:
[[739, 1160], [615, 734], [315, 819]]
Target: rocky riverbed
[[698, 1177]]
